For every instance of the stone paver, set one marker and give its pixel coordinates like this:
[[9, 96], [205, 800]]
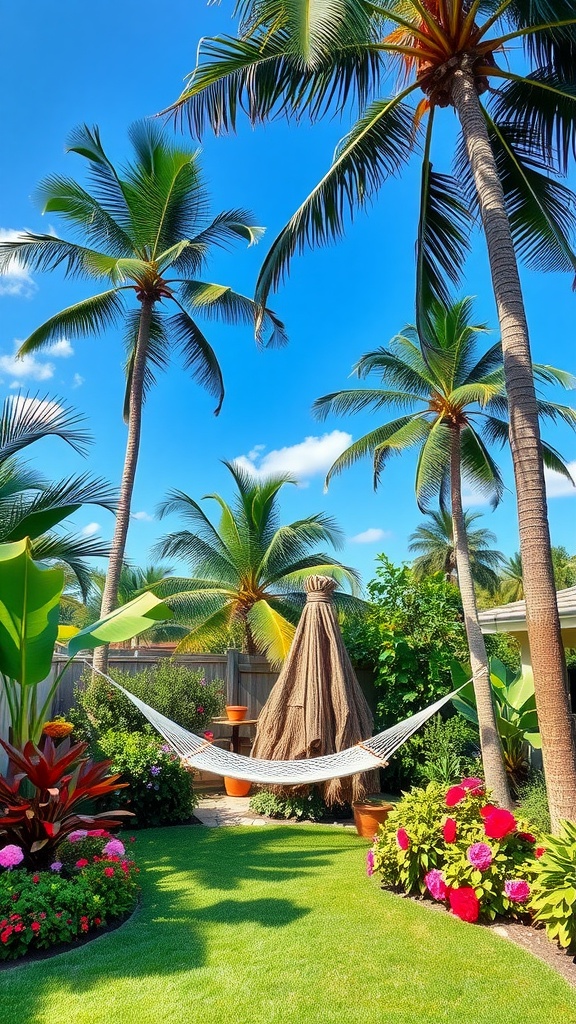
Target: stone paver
[[216, 808]]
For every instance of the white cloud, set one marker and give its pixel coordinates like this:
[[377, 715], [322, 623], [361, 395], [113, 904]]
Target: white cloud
[[29, 367], [90, 529], [77, 381], [61, 349], [50, 410], [15, 279], [370, 536], [143, 517], [309, 458], [558, 486], [472, 497]]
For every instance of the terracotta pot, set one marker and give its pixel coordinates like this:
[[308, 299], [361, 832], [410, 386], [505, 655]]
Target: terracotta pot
[[368, 816], [236, 712], [236, 787]]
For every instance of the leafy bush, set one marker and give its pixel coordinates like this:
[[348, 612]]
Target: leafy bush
[[457, 847], [534, 802], [443, 751], [554, 893], [160, 788], [176, 691], [48, 793], [43, 909], [308, 807]]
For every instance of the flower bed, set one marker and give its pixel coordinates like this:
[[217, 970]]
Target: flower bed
[[91, 884]]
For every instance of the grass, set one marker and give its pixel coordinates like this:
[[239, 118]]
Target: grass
[[280, 924]]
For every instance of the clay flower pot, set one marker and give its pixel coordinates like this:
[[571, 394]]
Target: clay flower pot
[[236, 787], [236, 712], [369, 815]]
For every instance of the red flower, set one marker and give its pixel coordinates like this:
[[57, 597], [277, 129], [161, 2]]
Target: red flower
[[487, 810], [6, 934], [209, 735], [42, 916], [449, 830], [455, 795], [35, 879], [499, 823], [97, 921], [403, 839], [539, 851], [82, 863], [35, 926], [99, 833], [527, 836], [109, 872], [84, 927], [19, 927], [464, 903], [473, 785]]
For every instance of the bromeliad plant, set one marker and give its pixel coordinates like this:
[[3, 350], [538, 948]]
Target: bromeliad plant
[[64, 785], [29, 604]]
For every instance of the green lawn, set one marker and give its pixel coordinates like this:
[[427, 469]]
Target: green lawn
[[280, 924]]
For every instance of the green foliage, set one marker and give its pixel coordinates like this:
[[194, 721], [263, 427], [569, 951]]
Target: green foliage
[[443, 751], [159, 787], [180, 693], [41, 910], [412, 842], [534, 802], [504, 647], [410, 638], [554, 892], [308, 807], [434, 542]]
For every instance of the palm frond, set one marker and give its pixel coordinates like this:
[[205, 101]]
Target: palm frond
[[479, 468], [433, 460], [73, 550], [58, 194], [272, 631], [219, 302], [542, 105], [27, 418], [94, 315], [157, 351], [345, 403], [199, 356]]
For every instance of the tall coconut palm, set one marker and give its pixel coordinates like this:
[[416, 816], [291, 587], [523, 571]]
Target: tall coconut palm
[[453, 405], [507, 68], [134, 580], [147, 234], [512, 584], [434, 542], [32, 506], [247, 570]]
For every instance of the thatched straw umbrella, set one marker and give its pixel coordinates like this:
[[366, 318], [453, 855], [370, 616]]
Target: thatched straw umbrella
[[317, 706]]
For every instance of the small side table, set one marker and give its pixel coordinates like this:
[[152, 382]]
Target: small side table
[[235, 727]]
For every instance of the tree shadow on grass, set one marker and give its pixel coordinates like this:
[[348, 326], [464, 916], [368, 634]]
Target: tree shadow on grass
[[182, 868]]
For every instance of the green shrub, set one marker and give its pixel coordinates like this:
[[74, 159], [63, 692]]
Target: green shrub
[[309, 807], [180, 693], [456, 846], [43, 909], [534, 802], [554, 892], [160, 789], [443, 751]]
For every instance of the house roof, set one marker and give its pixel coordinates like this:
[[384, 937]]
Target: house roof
[[511, 618]]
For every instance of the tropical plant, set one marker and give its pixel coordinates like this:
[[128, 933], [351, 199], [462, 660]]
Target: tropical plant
[[453, 404], [32, 506], [248, 569], [29, 604], [516, 718], [64, 784], [554, 893], [147, 233], [506, 67], [434, 540], [134, 580], [512, 584]]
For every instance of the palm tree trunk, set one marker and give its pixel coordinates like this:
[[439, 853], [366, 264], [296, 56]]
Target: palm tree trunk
[[492, 758], [546, 648], [110, 593]]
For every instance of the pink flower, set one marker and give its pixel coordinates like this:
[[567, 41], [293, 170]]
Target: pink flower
[[499, 823], [114, 848], [455, 795], [464, 903], [11, 856], [370, 863], [480, 856], [403, 839], [76, 836], [449, 830], [473, 785], [435, 884], [517, 890], [82, 863]]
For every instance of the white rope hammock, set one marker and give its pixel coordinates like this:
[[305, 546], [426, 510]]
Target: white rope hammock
[[203, 754]]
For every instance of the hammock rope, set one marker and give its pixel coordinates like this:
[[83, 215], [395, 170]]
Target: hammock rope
[[204, 755]]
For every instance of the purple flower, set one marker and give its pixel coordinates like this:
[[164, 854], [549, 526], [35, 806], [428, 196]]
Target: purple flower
[[435, 884], [517, 890], [148, 785], [56, 866], [370, 863], [165, 748], [11, 856], [114, 848], [480, 856], [76, 836], [203, 682], [155, 770]]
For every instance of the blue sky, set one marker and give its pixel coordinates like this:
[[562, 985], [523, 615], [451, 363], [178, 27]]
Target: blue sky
[[113, 63]]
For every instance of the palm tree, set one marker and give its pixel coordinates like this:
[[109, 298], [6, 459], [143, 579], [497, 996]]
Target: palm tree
[[452, 404], [248, 570], [507, 68], [134, 580], [434, 540], [147, 234], [512, 584], [32, 506]]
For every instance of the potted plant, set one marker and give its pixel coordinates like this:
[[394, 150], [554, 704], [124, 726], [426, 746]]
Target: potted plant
[[236, 712], [370, 814]]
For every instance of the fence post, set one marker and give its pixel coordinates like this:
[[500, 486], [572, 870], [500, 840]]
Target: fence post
[[232, 677]]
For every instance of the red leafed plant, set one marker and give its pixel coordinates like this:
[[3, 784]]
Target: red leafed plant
[[63, 784]]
